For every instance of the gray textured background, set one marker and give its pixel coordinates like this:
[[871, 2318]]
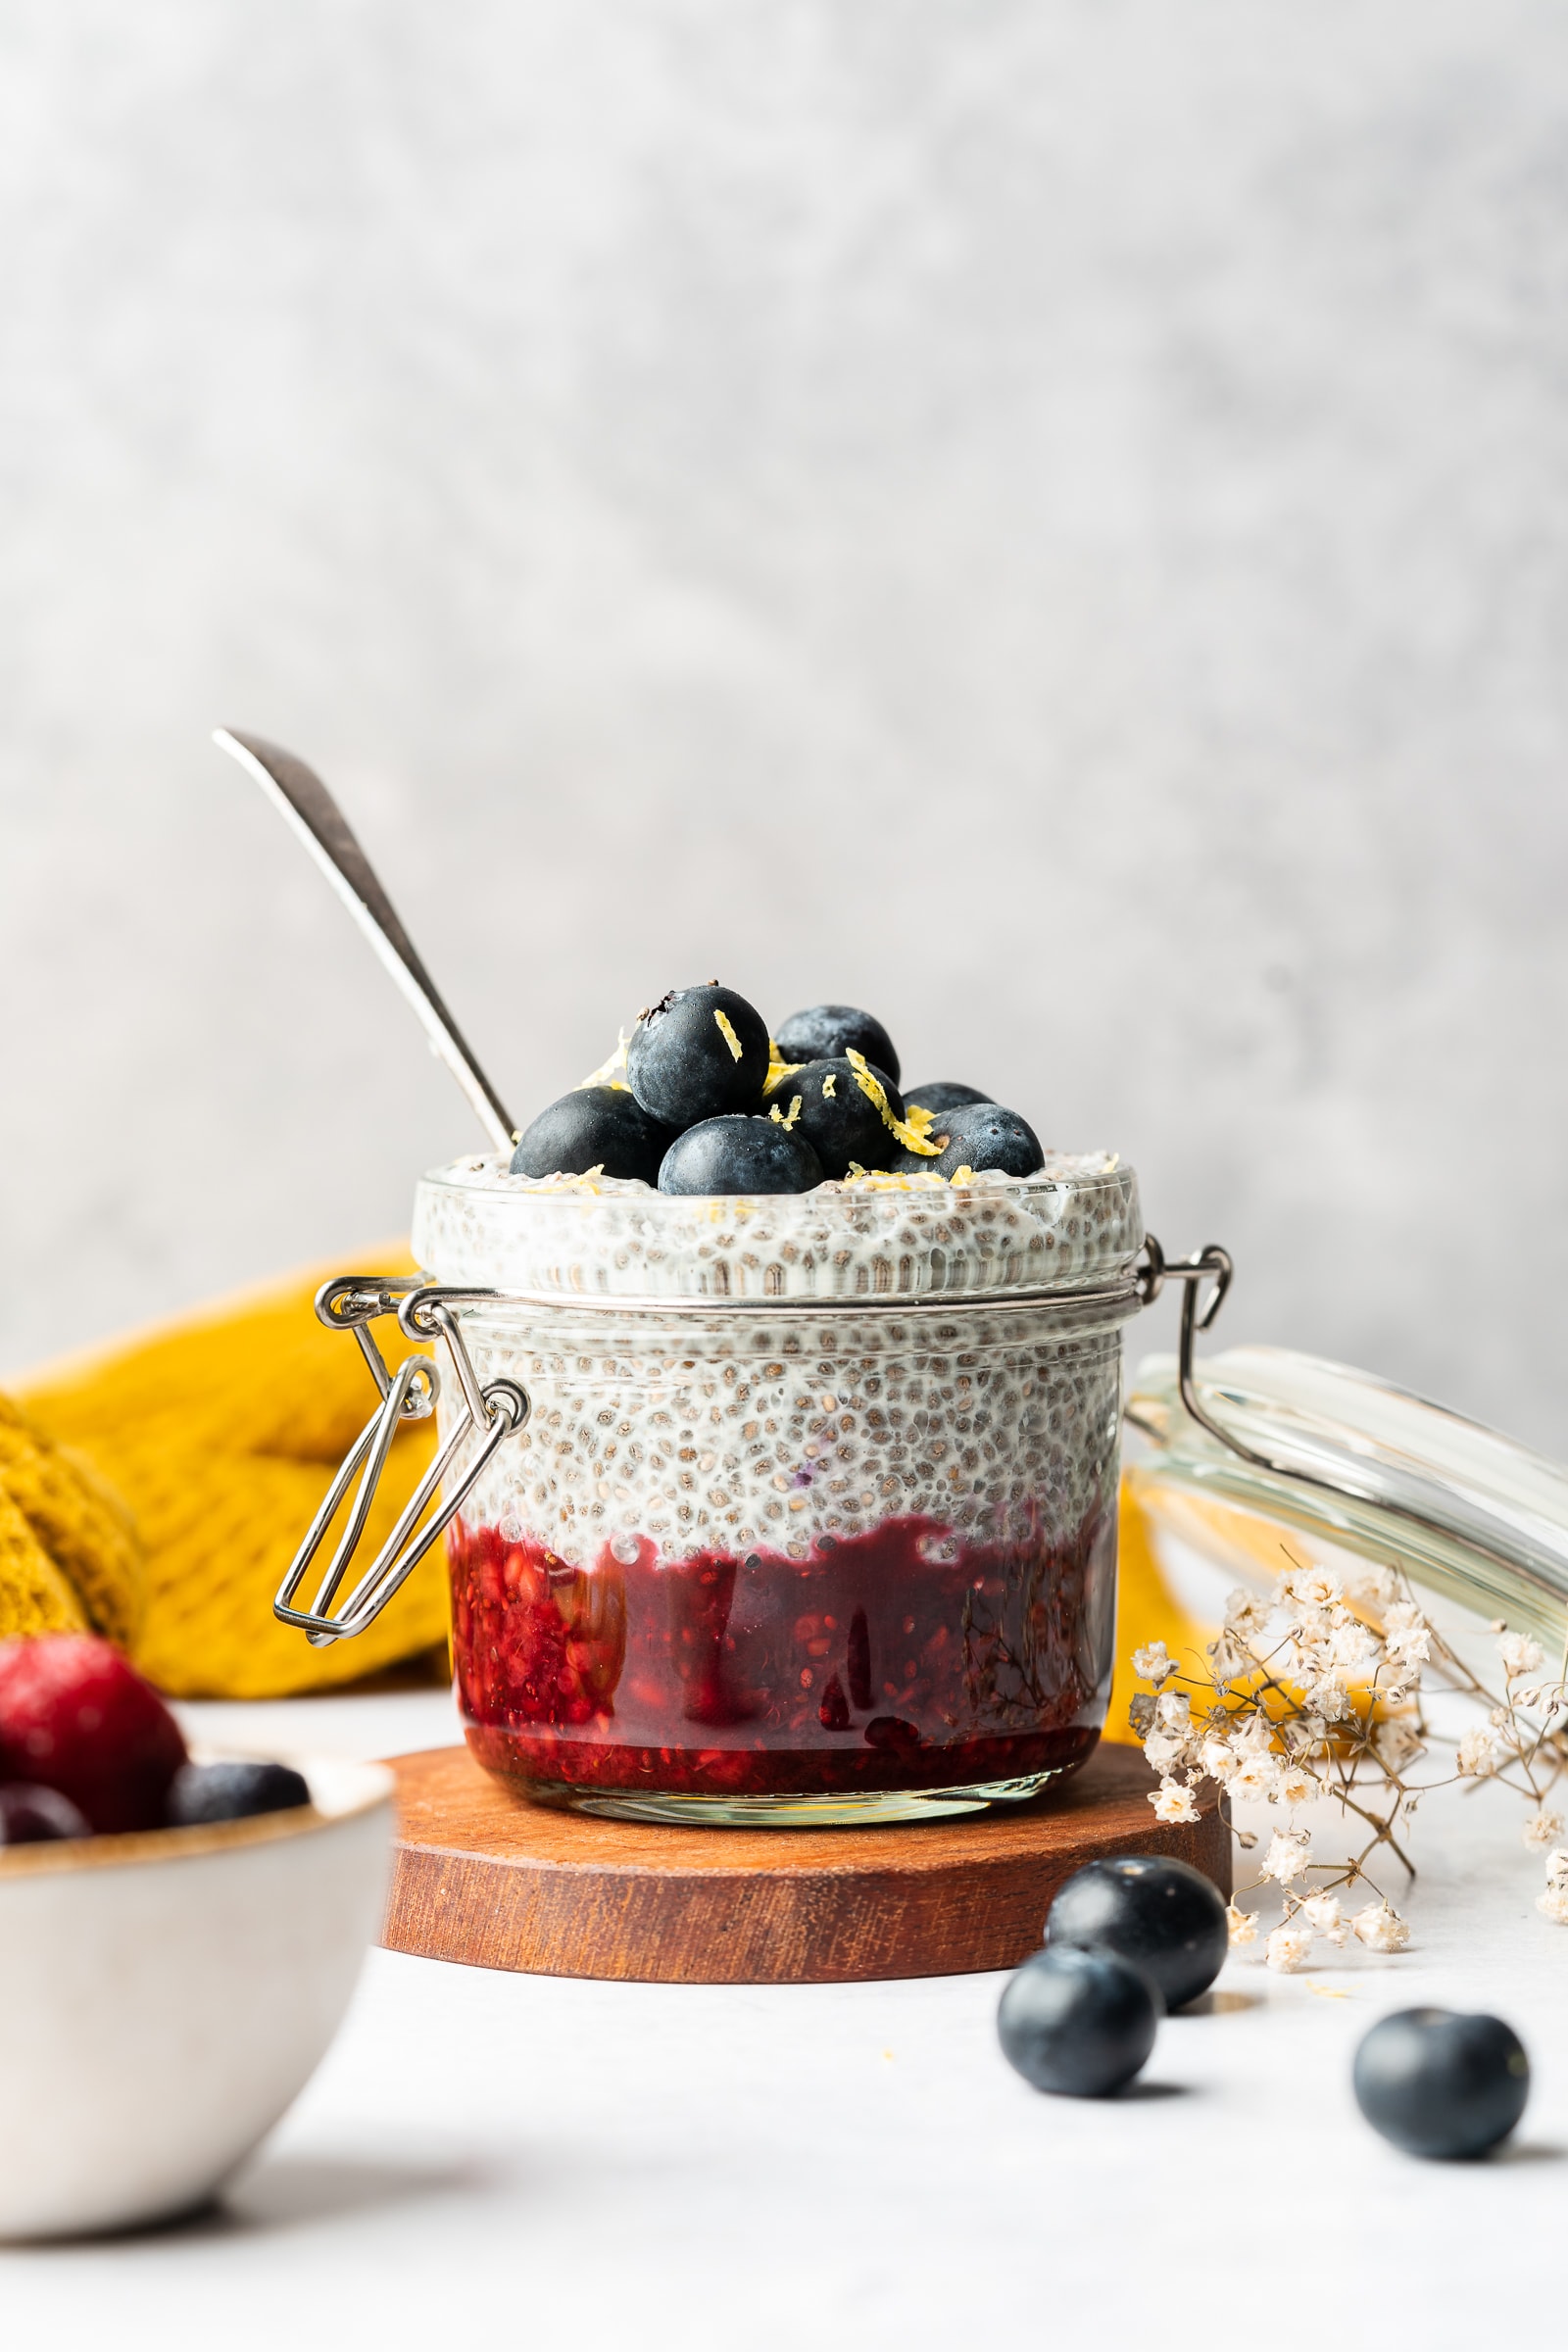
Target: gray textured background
[[1043, 517]]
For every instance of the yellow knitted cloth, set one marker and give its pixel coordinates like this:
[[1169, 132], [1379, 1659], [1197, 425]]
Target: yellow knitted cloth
[[156, 1491], [219, 1434]]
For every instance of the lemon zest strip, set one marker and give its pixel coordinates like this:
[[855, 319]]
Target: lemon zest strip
[[727, 1033], [871, 1085]]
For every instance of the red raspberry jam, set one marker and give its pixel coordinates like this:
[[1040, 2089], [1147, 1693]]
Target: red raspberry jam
[[898, 1659]]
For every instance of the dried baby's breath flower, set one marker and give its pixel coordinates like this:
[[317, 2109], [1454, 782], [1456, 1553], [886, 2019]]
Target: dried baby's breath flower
[[1296, 1786], [1329, 1697], [1325, 1917], [1253, 1777], [1246, 1616], [1242, 1926], [1397, 1743], [1288, 1856], [1305, 1697], [1305, 1591], [1172, 1802], [1409, 1645], [1520, 1656], [1163, 1749], [1290, 1947], [1380, 1929], [1478, 1753]]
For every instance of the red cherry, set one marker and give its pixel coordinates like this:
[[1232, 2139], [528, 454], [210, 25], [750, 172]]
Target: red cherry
[[74, 1715]]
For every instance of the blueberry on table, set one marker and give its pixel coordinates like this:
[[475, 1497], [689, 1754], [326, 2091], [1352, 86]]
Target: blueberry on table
[[841, 1120], [943, 1093], [826, 1032], [738, 1154], [1077, 2022], [596, 1127], [30, 1815], [1160, 1914], [233, 1791], [980, 1135], [1438, 2083], [697, 1054]]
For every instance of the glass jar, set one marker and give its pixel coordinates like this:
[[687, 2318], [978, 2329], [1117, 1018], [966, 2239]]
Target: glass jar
[[813, 1513]]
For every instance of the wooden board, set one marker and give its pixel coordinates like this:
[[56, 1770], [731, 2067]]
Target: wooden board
[[486, 1877]]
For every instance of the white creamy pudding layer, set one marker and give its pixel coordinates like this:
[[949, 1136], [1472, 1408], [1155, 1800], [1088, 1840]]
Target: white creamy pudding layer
[[1077, 1223], [665, 1410]]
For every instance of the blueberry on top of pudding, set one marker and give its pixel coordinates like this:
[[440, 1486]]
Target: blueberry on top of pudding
[[598, 1127], [740, 1154], [697, 1054], [943, 1093], [846, 1122], [980, 1135], [825, 1032]]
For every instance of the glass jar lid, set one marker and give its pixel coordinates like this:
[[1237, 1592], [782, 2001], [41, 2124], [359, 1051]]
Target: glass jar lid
[[1263, 1441]]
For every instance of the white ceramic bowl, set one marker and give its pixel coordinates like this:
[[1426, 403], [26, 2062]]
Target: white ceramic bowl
[[163, 1996]]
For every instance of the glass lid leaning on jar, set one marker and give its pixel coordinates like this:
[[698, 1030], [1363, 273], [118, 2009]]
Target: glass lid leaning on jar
[[1260, 1456], [782, 1508]]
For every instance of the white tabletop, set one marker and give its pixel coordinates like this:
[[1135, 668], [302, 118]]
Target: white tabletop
[[535, 2162]]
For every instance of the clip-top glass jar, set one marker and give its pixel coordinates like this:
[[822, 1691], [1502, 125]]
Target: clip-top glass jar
[[811, 1513]]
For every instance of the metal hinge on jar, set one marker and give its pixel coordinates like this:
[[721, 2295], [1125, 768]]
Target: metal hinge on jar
[[424, 1312]]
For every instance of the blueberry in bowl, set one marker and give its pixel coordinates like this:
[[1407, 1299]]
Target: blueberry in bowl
[[1153, 1910], [31, 1815], [827, 1032], [233, 1790], [740, 1154], [699, 1054], [979, 1136], [848, 1122]]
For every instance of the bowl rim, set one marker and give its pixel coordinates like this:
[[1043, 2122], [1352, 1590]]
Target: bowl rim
[[132, 1848]]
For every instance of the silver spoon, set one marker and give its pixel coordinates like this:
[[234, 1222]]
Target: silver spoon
[[304, 802]]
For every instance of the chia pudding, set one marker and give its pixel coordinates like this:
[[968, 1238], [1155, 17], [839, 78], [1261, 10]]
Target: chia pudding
[[813, 1517]]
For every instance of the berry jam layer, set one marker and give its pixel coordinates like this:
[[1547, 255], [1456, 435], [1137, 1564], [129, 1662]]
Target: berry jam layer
[[895, 1659]]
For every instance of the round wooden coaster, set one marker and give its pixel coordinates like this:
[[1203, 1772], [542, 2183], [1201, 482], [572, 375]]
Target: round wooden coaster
[[483, 1875]]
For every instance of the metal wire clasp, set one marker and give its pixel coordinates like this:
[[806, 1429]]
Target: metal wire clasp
[[1211, 1263], [352, 1303]]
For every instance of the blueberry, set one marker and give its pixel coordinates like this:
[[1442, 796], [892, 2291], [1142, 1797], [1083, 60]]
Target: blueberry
[[1077, 2022], [232, 1793], [825, 1032], [596, 1127], [980, 1135], [943, 1093], [1437, 2084], [837, 1117], [1163, 1915], [739, 1156], [30, 1815], [697, 1054]]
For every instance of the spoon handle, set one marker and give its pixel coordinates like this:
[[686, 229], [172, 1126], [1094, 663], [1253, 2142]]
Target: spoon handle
[[304, 802]]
